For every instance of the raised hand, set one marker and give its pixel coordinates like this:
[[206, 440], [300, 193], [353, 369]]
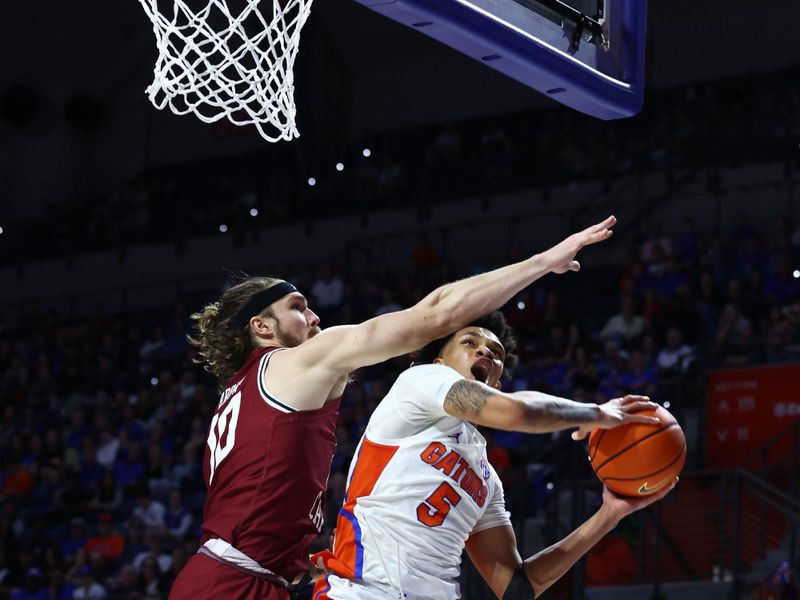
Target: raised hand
[[619, 411], [561, 257]]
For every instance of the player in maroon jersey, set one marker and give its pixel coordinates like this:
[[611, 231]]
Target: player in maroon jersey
[[272, 438]]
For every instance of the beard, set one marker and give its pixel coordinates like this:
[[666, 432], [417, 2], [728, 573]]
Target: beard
[[291, 340]]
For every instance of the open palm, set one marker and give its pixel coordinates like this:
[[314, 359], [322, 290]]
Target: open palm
[[561, 257]]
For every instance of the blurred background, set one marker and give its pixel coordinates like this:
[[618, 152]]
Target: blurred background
[[415, 166]]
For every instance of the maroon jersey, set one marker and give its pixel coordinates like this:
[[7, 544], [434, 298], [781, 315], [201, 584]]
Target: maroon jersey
[[266, 469]]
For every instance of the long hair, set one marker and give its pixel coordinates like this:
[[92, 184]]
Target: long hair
[[494, 322], [222, 347]]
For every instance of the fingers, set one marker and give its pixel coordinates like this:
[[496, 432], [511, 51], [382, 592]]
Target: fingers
[[632, 398], [632, 403], [634, 418], [579, 434], [609, 221], [599, 232], [639, 406]]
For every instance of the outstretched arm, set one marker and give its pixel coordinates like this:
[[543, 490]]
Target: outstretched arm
[[494, 551], [534, 412], [446, 309]]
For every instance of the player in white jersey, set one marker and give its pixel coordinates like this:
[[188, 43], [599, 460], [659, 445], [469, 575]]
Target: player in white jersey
[[420, 486]]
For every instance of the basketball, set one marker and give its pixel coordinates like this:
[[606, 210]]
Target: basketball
[[638, 460]]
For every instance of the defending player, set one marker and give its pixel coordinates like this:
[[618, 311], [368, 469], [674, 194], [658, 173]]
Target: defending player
[[421, 488], [272, 440]]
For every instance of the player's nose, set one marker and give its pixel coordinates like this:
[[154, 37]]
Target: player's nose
[[312, 318], [485, 352]]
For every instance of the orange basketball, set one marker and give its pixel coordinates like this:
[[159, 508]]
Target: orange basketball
[[636, 459]]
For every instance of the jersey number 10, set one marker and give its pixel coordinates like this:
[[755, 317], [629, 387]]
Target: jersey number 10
[[219, 444]]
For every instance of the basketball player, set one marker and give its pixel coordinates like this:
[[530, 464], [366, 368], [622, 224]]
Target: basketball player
[[272, 438], [420, 487]]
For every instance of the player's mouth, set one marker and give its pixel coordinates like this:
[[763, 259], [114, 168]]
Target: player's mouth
[[480, 369]]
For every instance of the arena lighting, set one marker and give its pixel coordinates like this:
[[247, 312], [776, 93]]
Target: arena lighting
[[154, 381], [339, 167], [549, 485], [521, 305], [1, 230], [312, 182], [253, 212], [366, 152], [795, 273], [667, 404], [223, 228]]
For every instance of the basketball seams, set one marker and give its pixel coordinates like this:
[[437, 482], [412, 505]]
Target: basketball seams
[[631, 445], [682, 453], [593, 453]]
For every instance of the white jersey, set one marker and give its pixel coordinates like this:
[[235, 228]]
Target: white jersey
[[419, 485]]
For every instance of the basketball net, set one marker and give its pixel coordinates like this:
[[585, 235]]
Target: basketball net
[[216, 64]]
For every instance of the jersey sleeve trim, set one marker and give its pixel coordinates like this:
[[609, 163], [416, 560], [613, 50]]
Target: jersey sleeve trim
[[262, 388]]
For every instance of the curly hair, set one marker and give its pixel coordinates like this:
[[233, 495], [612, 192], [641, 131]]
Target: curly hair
[[494, 322], [221, 346]]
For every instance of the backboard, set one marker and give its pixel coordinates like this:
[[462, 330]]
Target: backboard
[[586, 54]]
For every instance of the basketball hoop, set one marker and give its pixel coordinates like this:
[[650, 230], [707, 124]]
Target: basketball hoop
[[216, 62]]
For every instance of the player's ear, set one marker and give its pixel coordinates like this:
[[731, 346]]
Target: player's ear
[[438, 361], [262, 327]]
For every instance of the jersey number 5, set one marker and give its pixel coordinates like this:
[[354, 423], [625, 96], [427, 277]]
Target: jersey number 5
[[434, 509], [219, 444]]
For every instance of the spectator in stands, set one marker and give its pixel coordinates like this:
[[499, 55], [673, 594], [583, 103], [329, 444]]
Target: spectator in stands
[[748, 349], [87, 586], [638, 378], [676, 357], [445, 149], [106, 547], [388, 303], [75, 540], [107, 495], [184, 473], [391, 178], [150, 582], [328, 291], [149, 512], [125, 583], [108, 448], [656, 248], [730, 326], [778, 333], [177, 519], [155, 551], [626, 325]]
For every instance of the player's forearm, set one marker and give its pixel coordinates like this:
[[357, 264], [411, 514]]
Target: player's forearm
[[548, 566], [544, 413], [461, 302]]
